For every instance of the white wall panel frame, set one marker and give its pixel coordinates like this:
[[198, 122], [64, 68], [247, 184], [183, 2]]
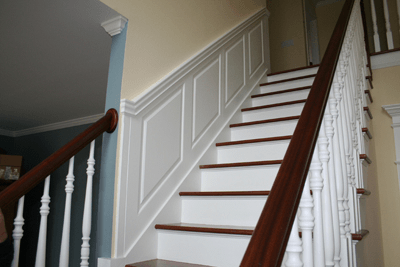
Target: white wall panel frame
[[139, 203], [256, 48], [235, 69], [206, 98]]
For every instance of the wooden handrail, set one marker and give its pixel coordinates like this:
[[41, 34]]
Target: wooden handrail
[[268, 243], [107, 123]]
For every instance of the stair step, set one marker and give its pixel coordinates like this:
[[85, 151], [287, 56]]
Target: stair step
[[206, 228], [226, 193], [289, 80], [267, 112], [264, 121], [264, 128], [240, 164], [286, 74], [280, 96], [260, 151], [249, 178], [275, 105], [163, 263], [240, 208], [369, 96], [250, 141], [209, 249], [287, 84]]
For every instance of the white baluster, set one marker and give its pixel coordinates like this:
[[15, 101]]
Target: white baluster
[[306, 224], [44, 212], [87, 213], [294, 247], [389, 35], [316, 184], [18, 232], [375, 26], [328, 118], [69, 188], [326, 198]]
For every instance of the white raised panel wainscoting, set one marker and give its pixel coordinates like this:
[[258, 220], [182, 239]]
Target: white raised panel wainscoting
[[168, 130], [394, 112]]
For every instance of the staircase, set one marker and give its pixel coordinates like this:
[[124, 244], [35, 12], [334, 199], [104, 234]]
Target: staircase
[[217, 222]]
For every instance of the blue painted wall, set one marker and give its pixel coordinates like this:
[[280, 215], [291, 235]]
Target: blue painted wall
[[108, 158]]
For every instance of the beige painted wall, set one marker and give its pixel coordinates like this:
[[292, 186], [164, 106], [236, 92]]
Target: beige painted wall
[[327, 17], [285, 23], [383, 180], [164, 34]]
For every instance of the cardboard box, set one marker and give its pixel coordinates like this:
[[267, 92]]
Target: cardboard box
[[10, 167]]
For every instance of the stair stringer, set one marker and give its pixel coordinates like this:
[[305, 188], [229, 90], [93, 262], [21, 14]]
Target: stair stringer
[[178, 118]]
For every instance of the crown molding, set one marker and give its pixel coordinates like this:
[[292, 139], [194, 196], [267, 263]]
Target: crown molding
[[114, 26], [52, 126], [392, 110]]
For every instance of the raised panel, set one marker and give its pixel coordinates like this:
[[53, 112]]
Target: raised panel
[[234, 77], [206, 92], [162, 142], [256, 57]]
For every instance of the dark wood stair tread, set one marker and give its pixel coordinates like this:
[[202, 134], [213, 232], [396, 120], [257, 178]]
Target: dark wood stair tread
[[368, 112], [163, 263], [225, 193], [264, 121], [363, 191], [240, 164], [366, 158], [275, 105], [369, 78], [367, 132], [368, 93], [360, 235], [282, 91], [289, 80], [291, 70], [205, 228], [258, 140]]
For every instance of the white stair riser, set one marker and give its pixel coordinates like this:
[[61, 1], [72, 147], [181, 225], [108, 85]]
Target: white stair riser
[[292, 74], [263, 130], [272, 113], [286, 85], [279, 98], [220, 250], [253, 152], [251, 178], [222, 210]]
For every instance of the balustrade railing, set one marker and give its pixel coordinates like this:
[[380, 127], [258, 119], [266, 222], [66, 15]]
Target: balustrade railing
[[324, 156], [42, 172], [383, 36]]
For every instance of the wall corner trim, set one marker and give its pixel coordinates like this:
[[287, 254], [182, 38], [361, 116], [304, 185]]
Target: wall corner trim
[[114, 26], [394, 112]]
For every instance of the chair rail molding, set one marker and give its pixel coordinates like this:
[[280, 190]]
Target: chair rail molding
[[394, 112]]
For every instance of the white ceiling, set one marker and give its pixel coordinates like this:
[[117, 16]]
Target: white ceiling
[[54, 58]]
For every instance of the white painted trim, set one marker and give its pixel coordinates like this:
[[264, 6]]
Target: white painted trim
[[114, 26], [385, 60], [52, 126], [394, 112], [144, 99]]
